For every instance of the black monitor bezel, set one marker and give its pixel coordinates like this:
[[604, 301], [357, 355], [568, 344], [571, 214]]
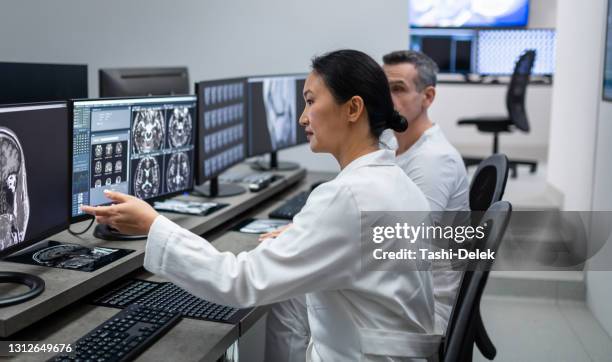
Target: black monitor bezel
[[59, 228], [200, 177], [151, 200], [296, 75]]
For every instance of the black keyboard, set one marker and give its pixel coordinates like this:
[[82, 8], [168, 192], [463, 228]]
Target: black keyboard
[[291, 207], [124, 336], [169, 297]]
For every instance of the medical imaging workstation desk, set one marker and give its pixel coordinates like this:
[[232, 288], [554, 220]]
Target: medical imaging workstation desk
[[64, 313]]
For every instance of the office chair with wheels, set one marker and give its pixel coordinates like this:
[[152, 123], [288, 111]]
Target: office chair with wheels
[[517, 115], [463, 328]]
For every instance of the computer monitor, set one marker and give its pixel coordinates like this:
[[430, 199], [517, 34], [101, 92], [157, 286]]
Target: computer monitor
[[34, 174], [273, 116], [138, 82], [468, 13], [451, 49], [222, 133], [499, 50], [139, 146], [33, 82]]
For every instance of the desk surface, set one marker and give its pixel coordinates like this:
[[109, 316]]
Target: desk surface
[[189, 340]]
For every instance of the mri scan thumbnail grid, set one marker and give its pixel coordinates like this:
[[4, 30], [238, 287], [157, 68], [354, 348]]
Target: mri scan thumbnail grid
[[223, 93], [108, 163], [223, 160]]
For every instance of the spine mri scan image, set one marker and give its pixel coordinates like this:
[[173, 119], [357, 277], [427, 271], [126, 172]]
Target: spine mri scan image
[[14, 202], [148, 130], [279, 100]]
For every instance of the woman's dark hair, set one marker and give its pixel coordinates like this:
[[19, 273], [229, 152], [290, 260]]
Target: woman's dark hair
[[349, 73]]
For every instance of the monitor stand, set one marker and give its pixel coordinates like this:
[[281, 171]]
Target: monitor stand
[[36, 285], [214, 188], [106, 232], [274, 164]]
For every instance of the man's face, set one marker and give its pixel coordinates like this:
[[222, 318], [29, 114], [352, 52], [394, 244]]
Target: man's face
[[407, 99]]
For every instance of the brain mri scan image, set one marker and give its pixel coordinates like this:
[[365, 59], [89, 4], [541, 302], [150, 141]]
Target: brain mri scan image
[[108, 181], [108, 167], [98, 151], [179, 127], [279, 101], [14, 201], [147, 178], [148, 130], [98, 167], [118, 166], [98, 183], [109, 150], [118, 180], [118, 148], [178, 172]]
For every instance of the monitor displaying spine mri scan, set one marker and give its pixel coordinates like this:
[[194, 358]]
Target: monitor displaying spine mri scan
[[272, 114], [34, 163], [141, 146]]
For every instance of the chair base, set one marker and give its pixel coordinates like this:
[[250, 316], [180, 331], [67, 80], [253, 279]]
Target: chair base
[[512, 164]]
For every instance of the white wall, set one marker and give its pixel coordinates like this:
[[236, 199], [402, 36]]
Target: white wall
[[599, 290], [575, 100], [580, 148], [214, 38]]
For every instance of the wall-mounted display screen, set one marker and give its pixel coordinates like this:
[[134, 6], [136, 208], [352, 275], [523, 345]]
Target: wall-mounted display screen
[[607, 81], [468, 13]]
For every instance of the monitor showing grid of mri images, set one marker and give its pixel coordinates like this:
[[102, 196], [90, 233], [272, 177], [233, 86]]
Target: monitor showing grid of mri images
[[144, 147], [222, 123]]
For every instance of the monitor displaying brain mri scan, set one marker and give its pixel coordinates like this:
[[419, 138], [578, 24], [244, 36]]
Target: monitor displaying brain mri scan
[[141, 146], [32, 198], [14, 201]]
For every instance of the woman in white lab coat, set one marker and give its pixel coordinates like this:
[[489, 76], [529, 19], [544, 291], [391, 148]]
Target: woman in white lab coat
[[354, 314]]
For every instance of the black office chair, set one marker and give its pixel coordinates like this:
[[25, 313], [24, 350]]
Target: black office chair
[[517, 116], [489, 182], [463, 329]]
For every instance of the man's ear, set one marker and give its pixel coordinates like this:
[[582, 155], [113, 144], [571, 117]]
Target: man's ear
[[355, 109], [430, 95]]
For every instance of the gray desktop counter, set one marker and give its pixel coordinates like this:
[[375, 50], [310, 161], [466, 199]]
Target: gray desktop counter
[[62, 314]]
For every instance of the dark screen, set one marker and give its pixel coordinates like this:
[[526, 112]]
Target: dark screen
[[40, 189], [27, 83], [463, 56], [438, 49]]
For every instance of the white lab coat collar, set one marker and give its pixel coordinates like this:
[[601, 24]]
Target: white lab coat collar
[[376, 158]]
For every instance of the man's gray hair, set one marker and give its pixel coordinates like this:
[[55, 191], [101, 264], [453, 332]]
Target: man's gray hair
[[426, 68]]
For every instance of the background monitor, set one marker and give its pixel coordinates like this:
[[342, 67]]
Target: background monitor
[[451, 49], [222, 131], [32, 82], [498, 50], [273, 116], [607, 73], [140, 146], [138, 82], [34, 173], [468, 13]]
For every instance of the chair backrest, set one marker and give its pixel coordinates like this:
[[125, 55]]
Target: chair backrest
[[515, 98], [460, 332], [489, 182]]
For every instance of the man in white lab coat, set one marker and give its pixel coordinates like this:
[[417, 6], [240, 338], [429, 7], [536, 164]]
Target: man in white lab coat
[[424, 153]]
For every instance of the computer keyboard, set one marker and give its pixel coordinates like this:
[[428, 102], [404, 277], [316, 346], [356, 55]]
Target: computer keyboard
[[291, 207], [169, 297], [124, 336]]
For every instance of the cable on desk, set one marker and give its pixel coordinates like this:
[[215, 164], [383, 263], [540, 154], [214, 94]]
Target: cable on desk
[[77, 233]]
